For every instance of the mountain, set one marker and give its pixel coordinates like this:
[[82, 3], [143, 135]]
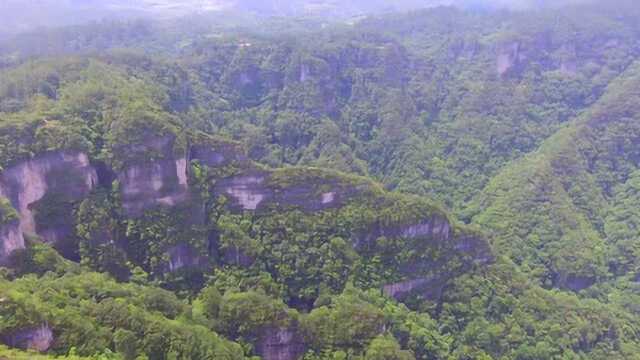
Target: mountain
[[19, 16], [445, 183]]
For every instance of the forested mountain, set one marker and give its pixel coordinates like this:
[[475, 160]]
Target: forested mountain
[[18, 16], [446, 183]]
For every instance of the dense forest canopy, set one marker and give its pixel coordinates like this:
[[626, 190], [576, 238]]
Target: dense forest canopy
[[263, 180]]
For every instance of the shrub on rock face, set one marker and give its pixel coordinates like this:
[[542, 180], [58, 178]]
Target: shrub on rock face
[[7, 212]]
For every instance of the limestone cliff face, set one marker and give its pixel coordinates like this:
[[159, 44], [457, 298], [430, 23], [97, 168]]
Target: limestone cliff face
[[66, 174], [217, 155], [566, 56], [184, 256], [467, 250], [509, 55], [158, 181], [281, 344], [163, 180], [434, 232], [11, 239], [438, 243], [37, 339], [436, 227], [247, 191], [257, 190]]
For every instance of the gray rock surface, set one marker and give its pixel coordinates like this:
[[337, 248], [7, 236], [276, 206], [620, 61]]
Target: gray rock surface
[[66, 174]]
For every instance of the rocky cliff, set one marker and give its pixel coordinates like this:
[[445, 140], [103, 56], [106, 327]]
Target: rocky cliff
[[440, 249], [167, 204], [281, 344], [38, 338], [11, 239], [44, 189], [32, 185], [149, 182]]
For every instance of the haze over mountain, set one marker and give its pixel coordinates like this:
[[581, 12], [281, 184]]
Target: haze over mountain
[[22, 15]]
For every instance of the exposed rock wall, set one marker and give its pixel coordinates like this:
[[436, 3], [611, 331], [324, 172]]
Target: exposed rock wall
[[436, 227], [430, 288], [508, 57], [255, 190], [161, 182], [11, 239], [248, 191], [470, 251], [67, 174], [513, 57], [38, 339], [157, 178], [184, 256], [281, 344]]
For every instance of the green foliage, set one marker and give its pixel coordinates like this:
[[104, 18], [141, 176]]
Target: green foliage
[[501, 314], [7, 212], [385, 348], [98, 230], [349, 322], [94, 107], [555, 200], [38, 258], [621, 226], [91, 313], [525, 124], [14, 354], [242, 314], [210, 300]]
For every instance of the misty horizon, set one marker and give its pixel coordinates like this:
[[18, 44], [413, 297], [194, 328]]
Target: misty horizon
[[18, 16]]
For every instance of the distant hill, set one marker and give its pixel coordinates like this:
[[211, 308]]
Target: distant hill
[[22, 15]]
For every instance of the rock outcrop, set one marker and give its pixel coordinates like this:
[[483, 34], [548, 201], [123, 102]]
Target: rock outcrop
[[184, 256], [281, 344], [163, 180], [158, 181], [258, 190], [247, 191], [468, 249], [39, 338], [11, 239], [430, 288], [436, 227], [508, 57], [68, 175], [263, 191]]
